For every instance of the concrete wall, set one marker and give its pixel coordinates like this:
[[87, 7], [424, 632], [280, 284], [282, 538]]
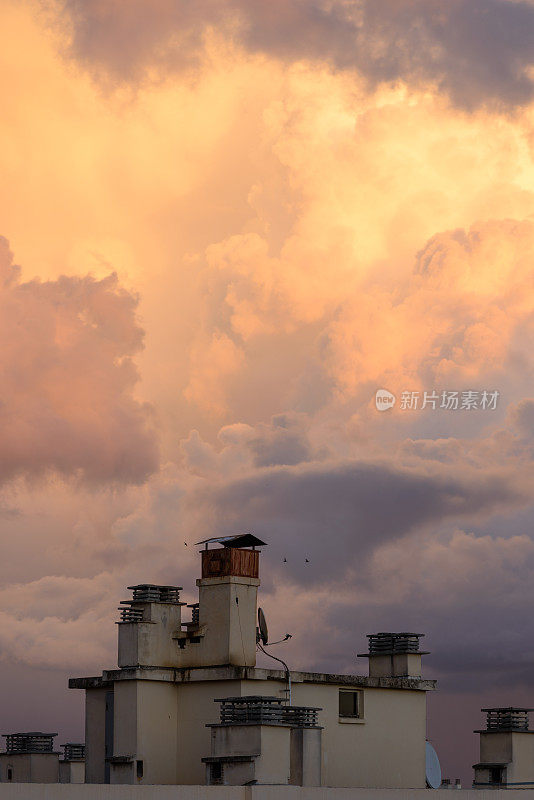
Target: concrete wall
[[386, 747], [95, 732], [230, 626], [522, 766], [164, 726], [306, 757], [30, 767], [157, 712], [150, 642], [86, 792], [196, 708], [72, 771], [146, 730], [495, 747]]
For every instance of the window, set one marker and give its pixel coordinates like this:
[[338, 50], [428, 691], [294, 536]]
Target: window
[[350, 704], [139, 769]]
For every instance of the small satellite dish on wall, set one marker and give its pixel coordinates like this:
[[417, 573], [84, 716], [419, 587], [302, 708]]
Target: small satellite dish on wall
[[262, 625], [433, 769]]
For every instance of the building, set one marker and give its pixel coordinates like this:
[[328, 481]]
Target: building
[[187, 704], [29, 758], [506, 750]]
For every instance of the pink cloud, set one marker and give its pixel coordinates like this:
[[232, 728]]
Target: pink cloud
[[67, 400]]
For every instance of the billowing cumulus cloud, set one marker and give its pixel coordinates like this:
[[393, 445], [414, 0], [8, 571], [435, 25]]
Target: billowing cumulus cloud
[[478, 51], [457, 318], [67, 402]]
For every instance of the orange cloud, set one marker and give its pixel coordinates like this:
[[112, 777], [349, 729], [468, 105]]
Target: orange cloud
[[67, 400]]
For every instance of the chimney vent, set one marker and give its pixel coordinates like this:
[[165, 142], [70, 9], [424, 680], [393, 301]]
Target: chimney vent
[[195, 613], [263, 710], [507, 719], [73, 751], [150, 593], [145, 593], [392, 643], [34, 742]]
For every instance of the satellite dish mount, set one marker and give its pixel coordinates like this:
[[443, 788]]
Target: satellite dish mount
[[262, 641]]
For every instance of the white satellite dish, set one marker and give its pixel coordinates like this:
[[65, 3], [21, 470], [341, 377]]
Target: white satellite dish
[[262, 625], [433, 769]]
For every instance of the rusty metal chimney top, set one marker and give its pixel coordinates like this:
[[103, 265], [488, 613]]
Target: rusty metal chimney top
[[237, 557]]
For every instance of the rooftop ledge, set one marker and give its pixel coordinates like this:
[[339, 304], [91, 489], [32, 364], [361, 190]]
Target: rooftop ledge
[[229, 673]]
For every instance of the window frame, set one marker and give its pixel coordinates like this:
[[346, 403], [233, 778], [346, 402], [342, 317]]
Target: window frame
[[359, 717]]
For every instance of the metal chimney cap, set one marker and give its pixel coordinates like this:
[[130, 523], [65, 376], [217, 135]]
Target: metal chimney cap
[[241, 540], [154, 586], [29, 733]]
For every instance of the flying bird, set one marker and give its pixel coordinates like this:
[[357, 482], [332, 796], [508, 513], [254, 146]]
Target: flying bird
[[307, 560], [285, 560]]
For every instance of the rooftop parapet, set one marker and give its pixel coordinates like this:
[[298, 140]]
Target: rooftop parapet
[[32, 742]]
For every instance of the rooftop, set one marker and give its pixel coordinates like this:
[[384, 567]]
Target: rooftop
[[226, 673]]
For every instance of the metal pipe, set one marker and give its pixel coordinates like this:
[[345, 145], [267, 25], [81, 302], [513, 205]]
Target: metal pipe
[[288, 673]]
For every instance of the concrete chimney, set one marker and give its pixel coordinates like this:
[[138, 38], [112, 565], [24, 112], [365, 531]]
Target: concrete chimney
[[394, 655], [222, 629], [227, 608], [147, 625], [506, 750]]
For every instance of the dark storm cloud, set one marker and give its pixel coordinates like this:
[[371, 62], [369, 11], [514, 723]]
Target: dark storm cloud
[[474, 610], [477, 51], [337, 514]]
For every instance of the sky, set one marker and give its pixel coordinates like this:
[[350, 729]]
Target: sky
[[225, 226]]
